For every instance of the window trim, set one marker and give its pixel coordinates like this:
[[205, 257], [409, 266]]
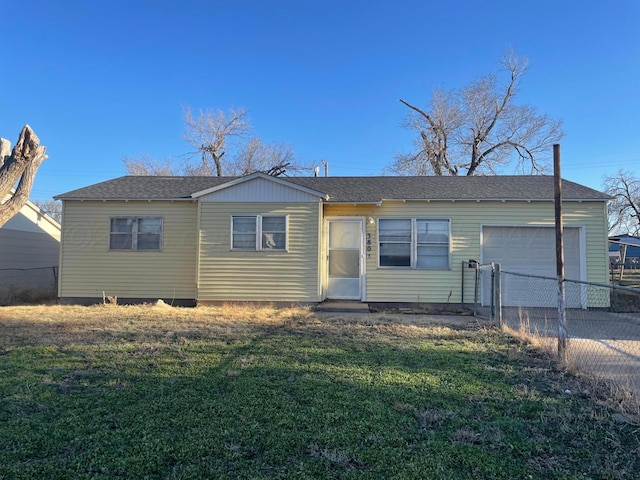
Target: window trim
[[413, 249], [258, 245], [134, 234]]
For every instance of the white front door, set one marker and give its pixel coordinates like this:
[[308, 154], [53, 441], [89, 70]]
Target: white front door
[[345, 268]]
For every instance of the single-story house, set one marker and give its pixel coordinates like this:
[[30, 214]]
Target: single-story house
[[29, 255], [307, 239]]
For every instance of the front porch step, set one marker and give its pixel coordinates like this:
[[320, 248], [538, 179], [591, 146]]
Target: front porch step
[[344, 306]]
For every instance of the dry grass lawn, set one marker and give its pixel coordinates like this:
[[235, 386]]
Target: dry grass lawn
[[241, 391]]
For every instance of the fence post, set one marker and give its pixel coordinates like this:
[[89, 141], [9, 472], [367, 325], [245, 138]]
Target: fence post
[[492, 313], [475, 292], [462, 284], [498, 275], [562, 314], [56, 276]]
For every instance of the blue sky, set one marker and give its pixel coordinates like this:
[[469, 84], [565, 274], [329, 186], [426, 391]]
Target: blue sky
[[101, 80]]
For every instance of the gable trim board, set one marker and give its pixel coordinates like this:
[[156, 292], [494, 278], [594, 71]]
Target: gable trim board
[[262, 182], [198, 263]]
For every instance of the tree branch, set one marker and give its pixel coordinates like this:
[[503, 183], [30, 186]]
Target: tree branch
[[420, 112], [21, 166]]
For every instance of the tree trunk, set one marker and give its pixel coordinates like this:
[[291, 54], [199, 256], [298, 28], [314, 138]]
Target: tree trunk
[[216, 159], [22, 164]]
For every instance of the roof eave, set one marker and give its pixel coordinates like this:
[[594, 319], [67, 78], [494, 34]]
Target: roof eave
[[354, 202], [497, 199], [102, 199]]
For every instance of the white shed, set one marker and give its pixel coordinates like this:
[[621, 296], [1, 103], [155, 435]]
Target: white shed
[[29, 256]]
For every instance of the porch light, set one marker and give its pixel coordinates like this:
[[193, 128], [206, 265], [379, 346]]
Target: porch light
[[371, 220]]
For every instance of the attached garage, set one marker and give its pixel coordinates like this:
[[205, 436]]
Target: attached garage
[[531, 250]]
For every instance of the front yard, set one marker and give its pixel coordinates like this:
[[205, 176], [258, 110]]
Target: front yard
[[243, 392]]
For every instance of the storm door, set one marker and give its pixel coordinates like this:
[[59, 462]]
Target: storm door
[[345, 269]]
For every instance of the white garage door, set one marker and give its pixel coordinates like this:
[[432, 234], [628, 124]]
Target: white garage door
[[532, 250]]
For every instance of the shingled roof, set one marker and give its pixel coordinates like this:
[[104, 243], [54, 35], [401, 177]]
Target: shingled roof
[[351, 189]]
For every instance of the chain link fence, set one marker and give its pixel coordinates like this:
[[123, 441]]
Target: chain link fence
[[602, 321], [30, 285]]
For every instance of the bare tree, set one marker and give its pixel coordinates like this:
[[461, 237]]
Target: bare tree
[[18, 165], [479, 129], [210, 133], [146, 165], [624, 209], [219, 141], [52, 207], [255, 156], [433, 157]]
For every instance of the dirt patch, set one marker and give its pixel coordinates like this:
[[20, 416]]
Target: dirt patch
[[421, 308]]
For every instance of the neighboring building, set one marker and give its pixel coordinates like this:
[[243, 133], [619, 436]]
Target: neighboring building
[[29, 256], [632, 256], [307, 239]]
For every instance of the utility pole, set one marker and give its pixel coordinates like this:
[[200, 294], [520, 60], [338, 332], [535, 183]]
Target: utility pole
[[326, 167], [562, 313]]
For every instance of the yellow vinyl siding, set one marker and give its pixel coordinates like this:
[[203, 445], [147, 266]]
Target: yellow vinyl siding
[[467, 219], [89, 268], [239, 275]]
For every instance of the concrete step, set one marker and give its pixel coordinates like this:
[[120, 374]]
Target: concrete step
[[344, 306]]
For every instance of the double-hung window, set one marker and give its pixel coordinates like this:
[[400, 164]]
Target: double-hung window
[[259, 232], [135, 233], [394, 235], [414, 243], [432, 243]]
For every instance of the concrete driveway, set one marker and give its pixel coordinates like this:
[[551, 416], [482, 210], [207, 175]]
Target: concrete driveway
[[604, 344]]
